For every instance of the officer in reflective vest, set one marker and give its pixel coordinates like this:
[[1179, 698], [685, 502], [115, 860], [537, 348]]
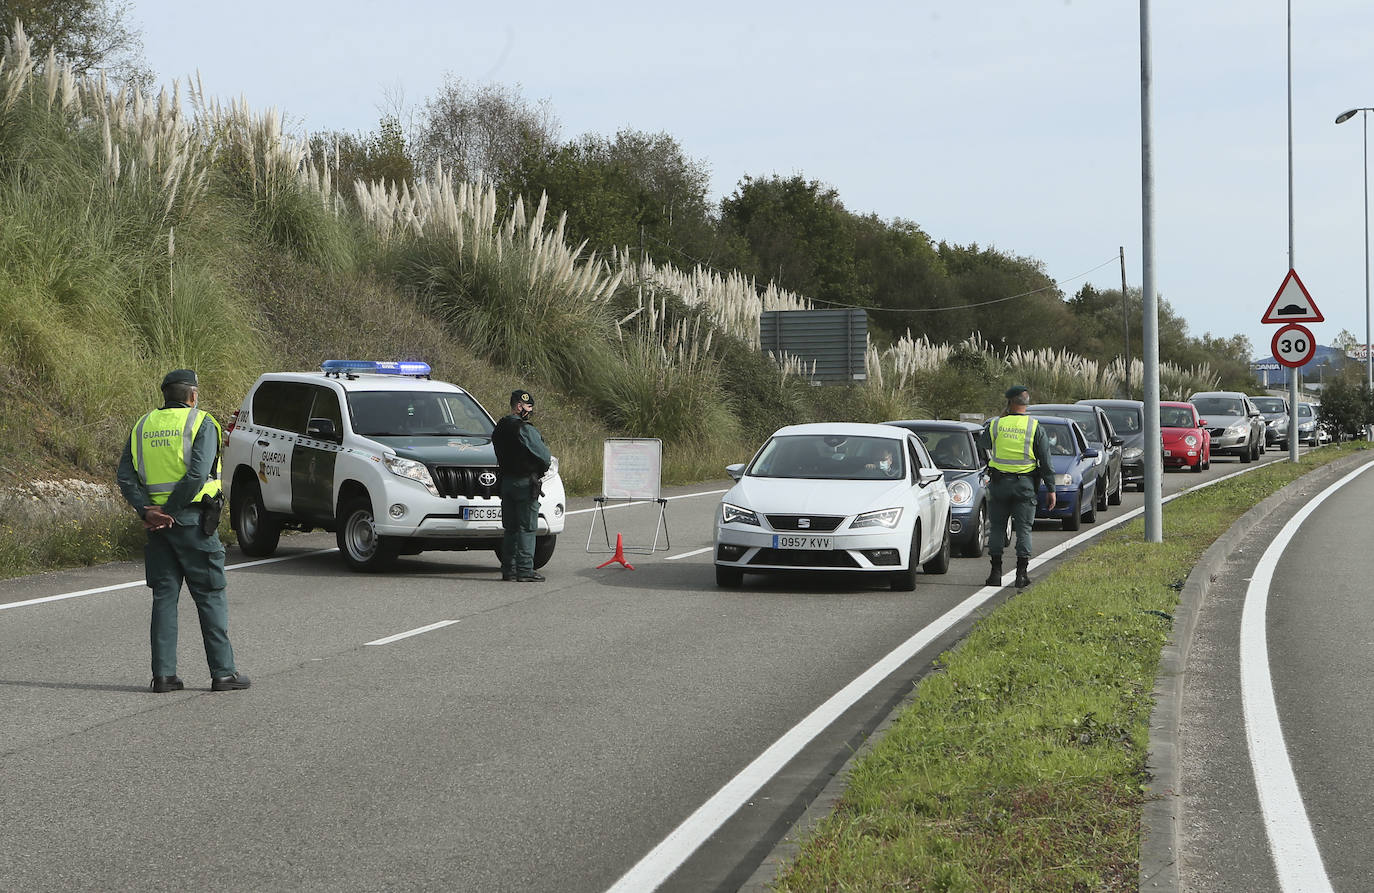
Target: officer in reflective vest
[[524, 459], [1020, 455], [169, 474]]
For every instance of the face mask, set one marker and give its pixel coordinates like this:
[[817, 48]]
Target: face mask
[[885, 465], [525, 413]]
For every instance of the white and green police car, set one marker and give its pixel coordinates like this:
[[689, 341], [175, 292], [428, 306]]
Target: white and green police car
[[391, 461]]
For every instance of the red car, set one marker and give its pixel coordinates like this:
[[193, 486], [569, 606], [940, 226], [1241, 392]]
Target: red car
[[1187, 442]]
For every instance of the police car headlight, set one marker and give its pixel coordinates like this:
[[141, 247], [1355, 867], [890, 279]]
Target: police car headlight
[[1132, 453], [415, 471], [960, 492], [883, 518], [733, 514]]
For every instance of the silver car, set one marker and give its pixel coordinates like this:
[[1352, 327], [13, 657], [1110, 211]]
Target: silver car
[[1236, 424]]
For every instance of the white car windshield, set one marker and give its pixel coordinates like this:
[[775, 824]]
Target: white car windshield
[[417, 414], [830, 457]]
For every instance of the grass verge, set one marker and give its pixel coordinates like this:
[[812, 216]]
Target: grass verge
[[1020, 762]]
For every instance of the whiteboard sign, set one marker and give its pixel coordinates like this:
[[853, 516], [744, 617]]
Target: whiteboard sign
[[631, 468]]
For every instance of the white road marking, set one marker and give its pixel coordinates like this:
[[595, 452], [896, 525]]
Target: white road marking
[[1297, 860], [687, 554], [232, 567], [116, 586], [414, 632]]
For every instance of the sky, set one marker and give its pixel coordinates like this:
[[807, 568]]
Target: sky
[[1013, 124]]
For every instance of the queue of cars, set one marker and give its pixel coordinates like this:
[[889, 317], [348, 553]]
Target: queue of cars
[[890, 499]]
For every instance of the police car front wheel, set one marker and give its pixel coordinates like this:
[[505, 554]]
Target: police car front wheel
[[362, 547]]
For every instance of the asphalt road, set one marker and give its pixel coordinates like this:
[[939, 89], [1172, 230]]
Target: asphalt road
[[547, 738], [1315, 759]]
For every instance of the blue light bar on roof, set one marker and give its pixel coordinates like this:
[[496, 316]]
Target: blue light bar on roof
[[376, 367]]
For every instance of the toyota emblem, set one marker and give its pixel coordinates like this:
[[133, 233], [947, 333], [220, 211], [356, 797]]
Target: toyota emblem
[[487, 478]]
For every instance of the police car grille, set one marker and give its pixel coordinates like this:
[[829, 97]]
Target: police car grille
[[792, 522], [464, 481]]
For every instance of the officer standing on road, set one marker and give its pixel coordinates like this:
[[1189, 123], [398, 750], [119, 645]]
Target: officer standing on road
[[169, 473], [523, 459], [1020, 454]]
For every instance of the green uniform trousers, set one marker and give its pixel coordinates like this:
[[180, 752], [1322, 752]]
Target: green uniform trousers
[[520, 522], [1014, 496], [182, 552]]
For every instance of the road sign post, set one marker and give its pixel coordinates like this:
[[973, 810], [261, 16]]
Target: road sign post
[[1293, 345]]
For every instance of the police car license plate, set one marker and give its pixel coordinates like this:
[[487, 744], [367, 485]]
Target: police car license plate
[[789, 541], [482, 513]]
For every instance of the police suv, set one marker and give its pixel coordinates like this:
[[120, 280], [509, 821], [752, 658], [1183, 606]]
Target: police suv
[[391, 461]]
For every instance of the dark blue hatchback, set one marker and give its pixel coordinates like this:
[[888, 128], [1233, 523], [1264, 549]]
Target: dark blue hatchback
[[953, 446]]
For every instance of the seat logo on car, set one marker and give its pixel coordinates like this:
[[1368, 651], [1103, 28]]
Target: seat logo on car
[[803, 523], [486, 478]]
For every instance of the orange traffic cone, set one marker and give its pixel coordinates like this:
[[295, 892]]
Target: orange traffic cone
[[619, 555]]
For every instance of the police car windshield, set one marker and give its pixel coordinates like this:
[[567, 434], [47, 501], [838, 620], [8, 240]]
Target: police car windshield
[[417, 414], [830, 457]]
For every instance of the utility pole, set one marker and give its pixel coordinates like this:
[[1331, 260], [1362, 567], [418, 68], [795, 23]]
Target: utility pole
[[1154, 462]]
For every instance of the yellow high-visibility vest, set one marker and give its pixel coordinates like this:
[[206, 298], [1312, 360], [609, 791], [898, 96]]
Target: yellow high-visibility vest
[[161, 447], [1013, 443]]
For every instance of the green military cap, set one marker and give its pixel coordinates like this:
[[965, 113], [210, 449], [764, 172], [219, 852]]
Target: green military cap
[[1015, 390], [521, 396], [181, 376]]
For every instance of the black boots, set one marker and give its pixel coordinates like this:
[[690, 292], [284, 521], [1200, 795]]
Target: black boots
[[995, 576], [1022, 577]]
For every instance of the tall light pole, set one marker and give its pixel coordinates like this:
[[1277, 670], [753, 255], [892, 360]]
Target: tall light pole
[[1364, 119]]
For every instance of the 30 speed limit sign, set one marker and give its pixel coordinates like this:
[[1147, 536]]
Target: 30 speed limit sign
[[1293, 345]]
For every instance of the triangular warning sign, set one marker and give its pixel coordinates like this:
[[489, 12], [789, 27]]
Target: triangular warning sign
[[1292, 303]]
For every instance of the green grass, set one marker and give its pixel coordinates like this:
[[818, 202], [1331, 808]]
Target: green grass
[[1020, 763]]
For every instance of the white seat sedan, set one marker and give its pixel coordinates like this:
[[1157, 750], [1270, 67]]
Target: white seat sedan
[[835, 496]]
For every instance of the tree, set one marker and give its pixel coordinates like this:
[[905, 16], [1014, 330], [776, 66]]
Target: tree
[[379, 155], [482, 131], [800, 235], [89, 35]]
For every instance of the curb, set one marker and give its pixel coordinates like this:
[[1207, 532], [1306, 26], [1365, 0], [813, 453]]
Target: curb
[[1161, 818]]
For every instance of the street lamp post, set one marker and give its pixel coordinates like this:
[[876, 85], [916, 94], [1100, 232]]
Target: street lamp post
[[1368, 354]]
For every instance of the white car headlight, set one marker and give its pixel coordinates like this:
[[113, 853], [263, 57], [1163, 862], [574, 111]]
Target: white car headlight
[[415, 471], [733, 514], [960, 492], [1063, 480], [882, 518], [1132, 453]]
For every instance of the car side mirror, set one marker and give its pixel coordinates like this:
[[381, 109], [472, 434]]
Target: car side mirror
[[735, 471], [1090, 453], [1118, 441], [927, 476], [1202, 423], [323, 429]]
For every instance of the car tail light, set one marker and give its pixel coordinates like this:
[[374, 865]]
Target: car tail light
[[229, 428]]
